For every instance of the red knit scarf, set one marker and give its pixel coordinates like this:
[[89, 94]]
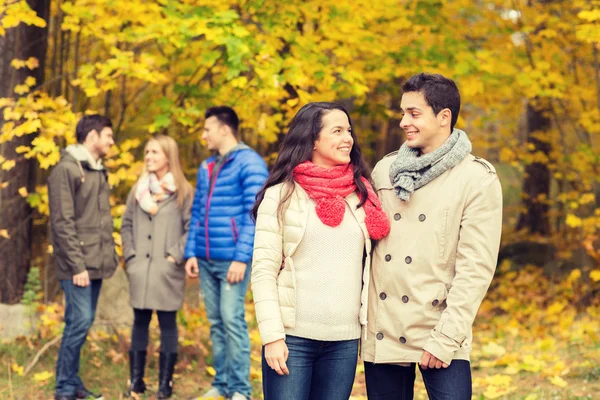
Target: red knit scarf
[[329, 186]]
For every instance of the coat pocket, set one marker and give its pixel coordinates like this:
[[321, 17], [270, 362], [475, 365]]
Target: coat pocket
[[438, 303], [234, 230], [91, 247]]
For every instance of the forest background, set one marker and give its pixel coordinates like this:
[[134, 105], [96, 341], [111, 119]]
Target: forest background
[[529, 75]]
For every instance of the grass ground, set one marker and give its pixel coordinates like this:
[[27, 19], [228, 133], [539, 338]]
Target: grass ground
[[531, 343]]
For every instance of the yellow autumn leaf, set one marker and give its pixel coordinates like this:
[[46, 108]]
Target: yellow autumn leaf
[[4, 233], [30, 81], [23, 192], [211, 371], [3, 185], [595, 275], [50, 249], [558, 381], [21, 89], [32, 63], [8, 165], [43, 376], [573, 221], [574, 275], [17, 369], [17, 64]]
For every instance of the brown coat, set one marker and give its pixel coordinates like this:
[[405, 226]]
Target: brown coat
[[430, 274], [80, 220], [155, 283]]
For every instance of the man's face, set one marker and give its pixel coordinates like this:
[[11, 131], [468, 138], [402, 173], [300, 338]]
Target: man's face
[[102, 142], [424, 130], [213, 133]]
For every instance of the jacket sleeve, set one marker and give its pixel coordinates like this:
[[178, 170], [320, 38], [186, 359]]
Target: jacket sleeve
[[61, 199], [253, 174], [177, 250], [476, 258], [194, 224], [127, 227], [266, 263]]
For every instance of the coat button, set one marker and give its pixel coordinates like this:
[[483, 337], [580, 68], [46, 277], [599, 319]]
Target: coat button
[[388, 257], [382, 296], [397, 216], [149, 237], [379, 336], [81, 243], [435, 302], [408, 260], [147, 255], [422, 217], [405, 299], [402, 339]]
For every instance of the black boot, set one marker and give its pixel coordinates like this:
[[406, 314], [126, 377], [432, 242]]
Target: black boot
[[137, 364], [165, 375]]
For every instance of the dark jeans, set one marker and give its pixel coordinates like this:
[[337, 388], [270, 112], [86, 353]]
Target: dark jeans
[[167, 320], [319, 370], [225, 310], [80, 311], [393, 382]]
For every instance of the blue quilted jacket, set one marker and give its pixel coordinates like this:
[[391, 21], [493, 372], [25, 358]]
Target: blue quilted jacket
[[221, 227]]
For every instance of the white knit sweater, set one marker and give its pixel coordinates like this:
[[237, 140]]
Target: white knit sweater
[[329, 263]]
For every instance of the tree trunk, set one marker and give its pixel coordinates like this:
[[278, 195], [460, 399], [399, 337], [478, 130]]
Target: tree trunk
[[536, 186], [21, 42]]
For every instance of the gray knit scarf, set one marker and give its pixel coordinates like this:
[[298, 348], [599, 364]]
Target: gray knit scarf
[[409, 171]]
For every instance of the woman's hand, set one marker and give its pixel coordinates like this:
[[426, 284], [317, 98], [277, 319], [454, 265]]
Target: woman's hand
[[276, 354]]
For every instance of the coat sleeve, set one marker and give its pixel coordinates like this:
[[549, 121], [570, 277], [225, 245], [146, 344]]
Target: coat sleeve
[[61, 199], [177, 251], [194, 224], [266, 263], [127, 227], [253, 175], [476, 258]]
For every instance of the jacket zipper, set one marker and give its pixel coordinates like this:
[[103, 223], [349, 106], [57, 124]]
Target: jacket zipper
[[208, 200]]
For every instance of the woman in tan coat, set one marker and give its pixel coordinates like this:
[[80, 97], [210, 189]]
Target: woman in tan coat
[[154, 233], [315, 218]]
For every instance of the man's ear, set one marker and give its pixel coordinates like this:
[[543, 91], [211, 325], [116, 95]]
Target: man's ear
[[92, 136], [445, 117]]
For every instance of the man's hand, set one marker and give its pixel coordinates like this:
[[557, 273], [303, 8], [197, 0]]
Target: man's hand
[[191, 267], [236, 272], [276, 354], [82, 279], [428, 360]]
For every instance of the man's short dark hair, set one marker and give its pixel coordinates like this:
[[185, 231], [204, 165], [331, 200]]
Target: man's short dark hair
[[225, 115], [439, 92], [89, 123]]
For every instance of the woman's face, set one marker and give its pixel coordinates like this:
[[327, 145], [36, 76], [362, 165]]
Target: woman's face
[[335, 141], [155, 158]]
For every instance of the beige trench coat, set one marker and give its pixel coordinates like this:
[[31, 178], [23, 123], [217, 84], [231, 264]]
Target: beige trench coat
[[430, 274]]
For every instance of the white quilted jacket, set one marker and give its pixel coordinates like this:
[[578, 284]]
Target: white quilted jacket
[[274, 287]]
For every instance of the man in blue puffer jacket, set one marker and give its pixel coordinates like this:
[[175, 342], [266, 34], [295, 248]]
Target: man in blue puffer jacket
[[219, 247]]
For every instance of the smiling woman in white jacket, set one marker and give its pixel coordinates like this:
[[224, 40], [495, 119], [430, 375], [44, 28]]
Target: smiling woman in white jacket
[[315, 218]]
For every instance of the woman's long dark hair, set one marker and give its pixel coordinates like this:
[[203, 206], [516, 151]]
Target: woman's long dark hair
[[298, 145]]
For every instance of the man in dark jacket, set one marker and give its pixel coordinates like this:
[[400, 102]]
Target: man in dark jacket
[[220, 244], [84, 249]]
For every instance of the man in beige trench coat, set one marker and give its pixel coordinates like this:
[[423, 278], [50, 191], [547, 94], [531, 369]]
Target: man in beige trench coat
[[430, 274]]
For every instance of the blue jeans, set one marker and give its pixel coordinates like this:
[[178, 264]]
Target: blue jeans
[[80, 311], [225, 310], [394, 382], [319, 370]]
